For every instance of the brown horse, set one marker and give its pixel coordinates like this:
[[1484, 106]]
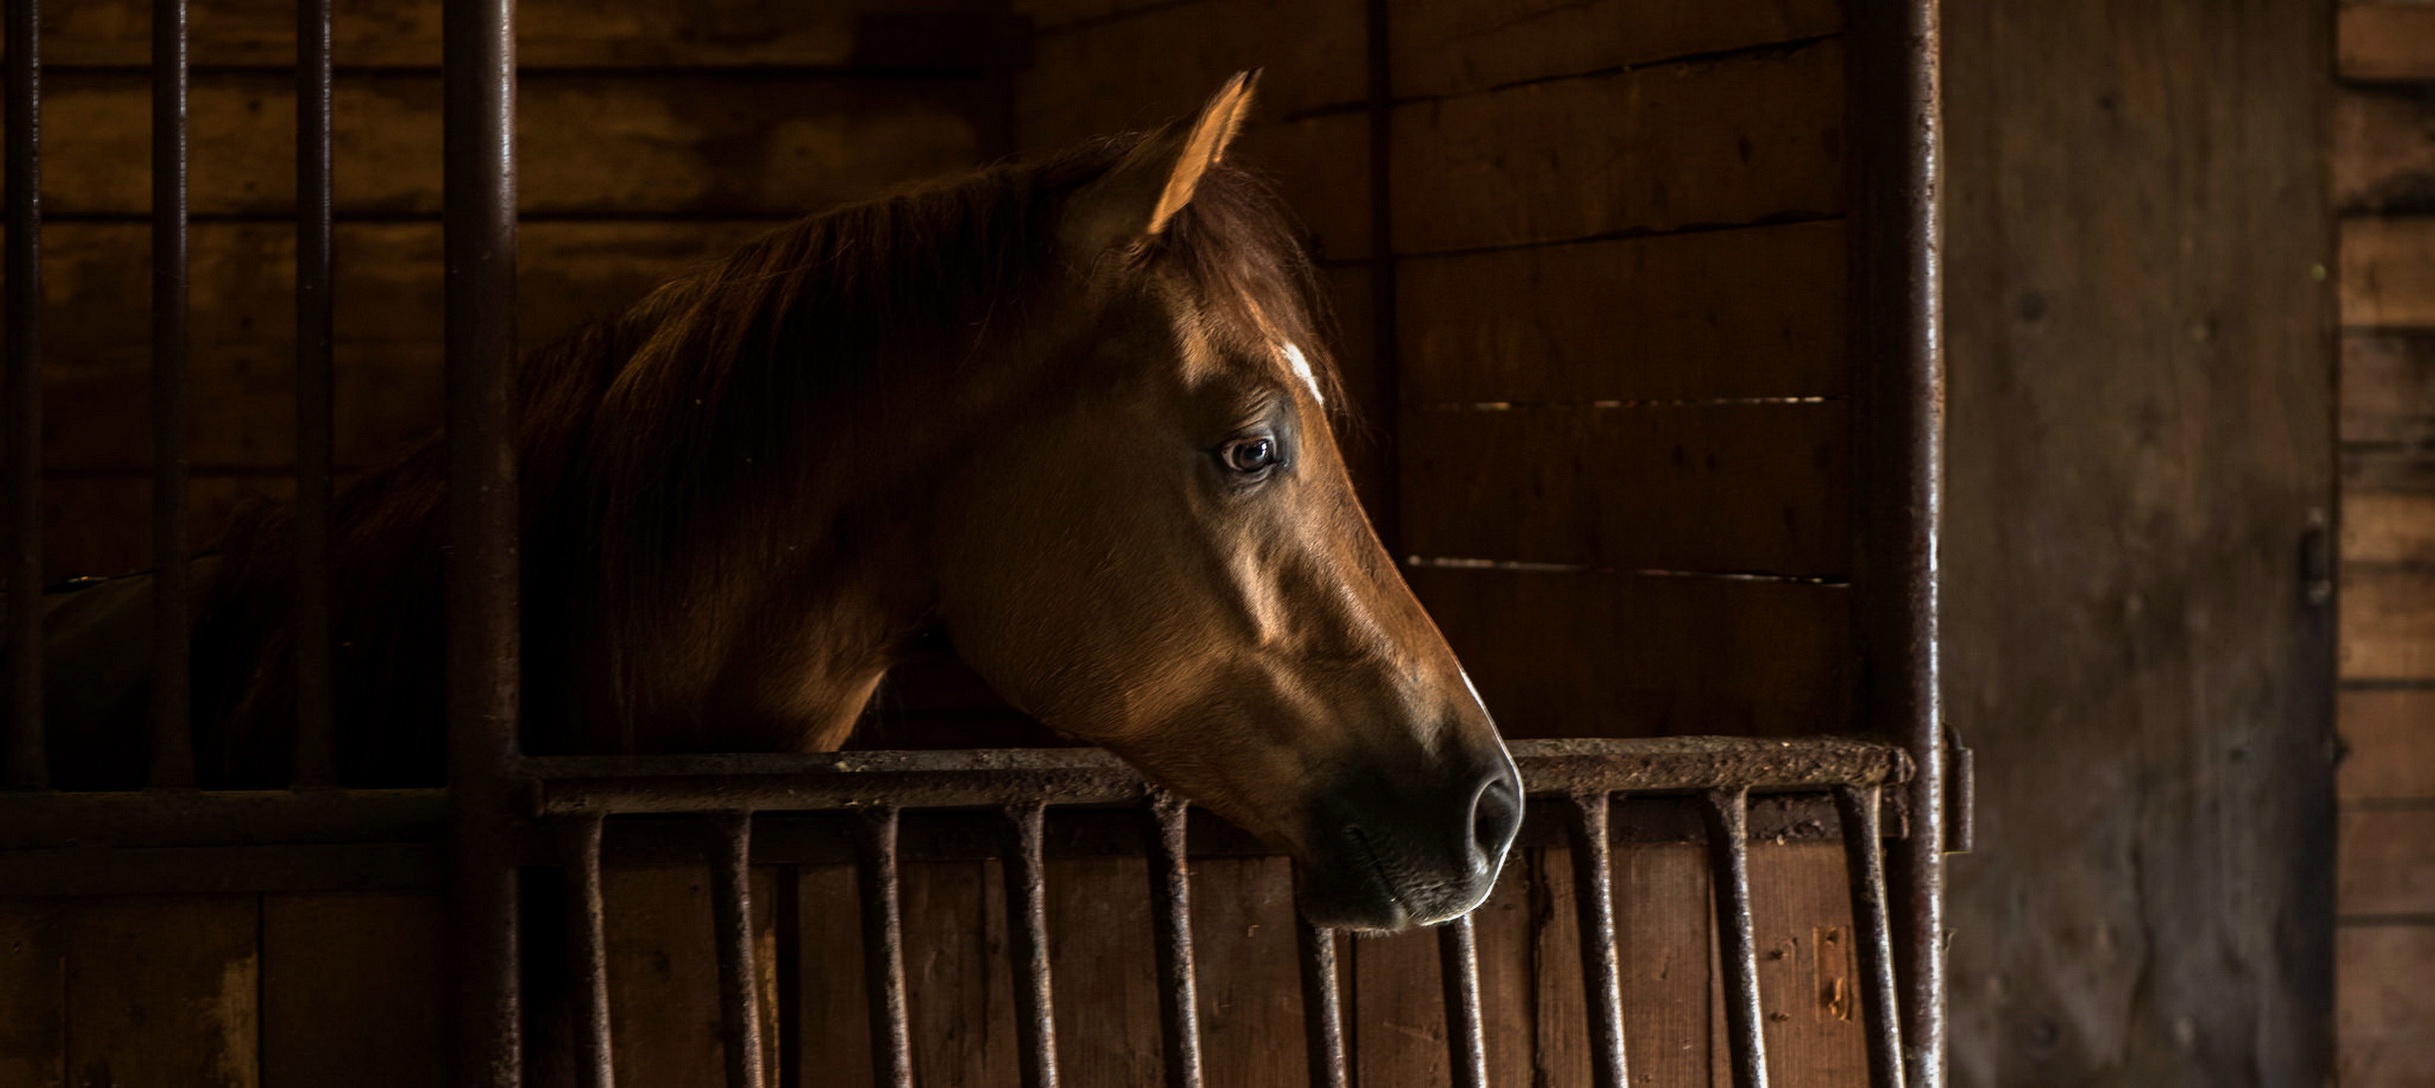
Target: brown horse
[[1071, 415]]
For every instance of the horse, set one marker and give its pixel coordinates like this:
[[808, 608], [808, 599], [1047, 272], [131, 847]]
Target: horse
[[1071, 416]]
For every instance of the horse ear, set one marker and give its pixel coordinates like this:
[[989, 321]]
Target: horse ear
[[1139, 195]]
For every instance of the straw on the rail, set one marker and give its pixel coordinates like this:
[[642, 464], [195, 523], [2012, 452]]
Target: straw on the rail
[[172, 754], [24, 765], [1594, 901], [1727, 815], [883, 949], [316, 730], [587, 947], [1027, 923], [1171, 918], [1864, 854], [1322, 1005], [1458, 957], [730, 841]]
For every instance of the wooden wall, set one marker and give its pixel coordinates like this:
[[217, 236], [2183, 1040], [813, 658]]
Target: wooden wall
[[2384, 190], [2138, 637]]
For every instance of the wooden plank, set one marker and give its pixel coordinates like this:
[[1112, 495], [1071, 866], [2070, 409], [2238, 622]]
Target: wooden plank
[[2381, 41], [1321, 167], [1531, 1001], [33, 994], [2388, 738], [162, 990], [2388, 628], [1468, 45], [2387, 864], [1396, 1015], [2385, 997], [833, 1019], [353, 990], [1738, 313], [961, 992], [663, 974], [1664, 940], [589, 144], [1128, 74], [2387, 468], [553, 33], [1247, 971], [2388, 388], [2388, 528], [1809, 968], [1050, 14], [1107, 985], [2388, 272], [1560, 654], [2383, 155], [1678, 146], [1708, 487]]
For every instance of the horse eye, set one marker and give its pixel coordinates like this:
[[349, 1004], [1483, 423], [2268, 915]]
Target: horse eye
[[1251, 454]]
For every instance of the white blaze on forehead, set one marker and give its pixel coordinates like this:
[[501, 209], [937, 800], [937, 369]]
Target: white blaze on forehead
[[1302, 369]]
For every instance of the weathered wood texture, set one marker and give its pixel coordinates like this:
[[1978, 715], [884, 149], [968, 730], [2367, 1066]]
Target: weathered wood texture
[[2140, 434], [2385, 41]]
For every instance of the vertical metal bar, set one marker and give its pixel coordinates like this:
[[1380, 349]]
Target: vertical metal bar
[[1864, 854], [587, 948], [25, 765], [1594, 901], [1027, 923], [1898, 432], [730, 836], [1458, 960], [1322, 1006], [172, 755], [316, 733], [1171, 920], [1727, 815], [479, 85], [883, 949]]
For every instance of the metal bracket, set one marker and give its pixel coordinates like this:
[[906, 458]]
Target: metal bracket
[[1961, 795]]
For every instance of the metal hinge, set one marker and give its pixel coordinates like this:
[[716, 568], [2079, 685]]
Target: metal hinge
[[1961, 795]]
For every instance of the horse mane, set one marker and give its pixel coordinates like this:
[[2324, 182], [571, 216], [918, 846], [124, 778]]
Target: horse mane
[[643, 435]]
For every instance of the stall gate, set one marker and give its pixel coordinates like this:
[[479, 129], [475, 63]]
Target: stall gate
[[508, 826]]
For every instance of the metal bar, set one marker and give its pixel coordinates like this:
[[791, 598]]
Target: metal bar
[[172, 754], [316, 729], [883, 949], [1027, 924], [478, 55], [1322, 1006], [25, 765], [1898, 452], [730, 835], [1864, 854], [1458, 960], [1729, 865], [1586, 818], [587, 948], [1171, 922]]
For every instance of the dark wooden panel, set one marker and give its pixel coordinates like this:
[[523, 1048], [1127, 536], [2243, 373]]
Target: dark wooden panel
[[1666, 148], [1446, 48], [1245, 966], [1738, 313], [2388, 528], [1531, 1001], [1107, 986], [2388, 388], [1809, 972], [2388, 862], [1590, 655], [1152, 66], [834, 1017], [647, 143], [1663, 923], [663, 974], [1717, 487], [2389, 742], [2385, 41], [562, 33], [2386, 976], [33, 994], [163, 991], [956, 973], [2383, 152], [2387, 276], [2388, 632], [1397, 1018], [353, 989]]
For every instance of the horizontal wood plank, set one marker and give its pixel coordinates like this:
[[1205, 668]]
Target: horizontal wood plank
[[1718, 487], [1560, 654], [164, 991], [1759, 312], [2381, 41], [353, 990], [2388, 528], [559, 33], [1155, 65], [1728, 142], [2383, 154], [33, 993], [2384, 1000], [589, 144], [1467, 45], [2388, 737], [2387, 863], [2388, 388], [2393, 468], [2388, 623], [2388, 272]]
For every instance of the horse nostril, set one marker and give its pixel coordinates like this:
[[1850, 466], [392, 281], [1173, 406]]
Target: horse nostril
[[1496, 815]]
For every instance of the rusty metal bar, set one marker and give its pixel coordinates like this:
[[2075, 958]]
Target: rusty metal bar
[[587, 948], [478, 55], [316, 730], [883, 949], [1729, 865], [25, 766], [1171, 920], [1027, 924], [1586, 819], [730, 841], [1864, 860], [1458, 961], [172, 754], [1322, 1005]]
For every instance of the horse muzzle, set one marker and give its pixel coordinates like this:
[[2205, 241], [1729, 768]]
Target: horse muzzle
[[1392, 850]]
